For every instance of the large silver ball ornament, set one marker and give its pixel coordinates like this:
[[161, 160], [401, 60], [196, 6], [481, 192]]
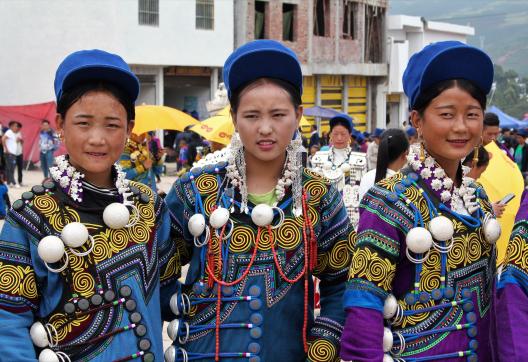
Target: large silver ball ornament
[[50, 249], [419, 240], [74, 234], [441, 228], [262, 215], [116, 215], [196, 225], [219, 217]]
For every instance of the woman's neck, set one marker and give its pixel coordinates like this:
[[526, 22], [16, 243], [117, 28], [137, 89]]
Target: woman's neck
[[262, 176], [450, 167]]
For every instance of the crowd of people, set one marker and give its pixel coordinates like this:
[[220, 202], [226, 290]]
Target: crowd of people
[[91, 258]]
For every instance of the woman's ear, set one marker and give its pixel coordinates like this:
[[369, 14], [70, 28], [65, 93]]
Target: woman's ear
[[416, 119], [59, 121]]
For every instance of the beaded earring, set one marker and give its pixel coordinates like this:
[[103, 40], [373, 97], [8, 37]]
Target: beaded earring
[[422, 150], [475, 159]]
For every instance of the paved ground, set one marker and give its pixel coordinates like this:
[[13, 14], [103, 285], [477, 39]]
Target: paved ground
[[35, 177]]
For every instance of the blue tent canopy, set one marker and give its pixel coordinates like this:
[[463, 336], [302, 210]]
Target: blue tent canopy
[[322, 112], [505, 120]]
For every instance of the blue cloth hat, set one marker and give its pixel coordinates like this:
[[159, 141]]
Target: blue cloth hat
[[443, 61], [85, 65], [358, 136], [522, 132], [259, 59], [377, 132], [342, 119], [411, 132], [366, 134]]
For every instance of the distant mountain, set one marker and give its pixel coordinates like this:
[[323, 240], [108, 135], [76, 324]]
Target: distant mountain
[[501, 26]]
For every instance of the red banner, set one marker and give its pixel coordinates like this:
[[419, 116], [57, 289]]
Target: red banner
[[30, 116]]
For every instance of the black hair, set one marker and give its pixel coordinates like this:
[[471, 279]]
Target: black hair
[[434, 91], [72, 95], [293, 92], [483, 158], [392, 145], [491, 120], [45, 121]]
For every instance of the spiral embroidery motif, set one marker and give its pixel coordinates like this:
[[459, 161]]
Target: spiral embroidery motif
[[368, 265], [322, 350]]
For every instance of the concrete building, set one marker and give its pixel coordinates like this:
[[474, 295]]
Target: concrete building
[[407, 35], [341, 44], [175, 47]]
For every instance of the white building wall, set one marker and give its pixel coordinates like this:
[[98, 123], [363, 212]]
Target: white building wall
[[36, 35]]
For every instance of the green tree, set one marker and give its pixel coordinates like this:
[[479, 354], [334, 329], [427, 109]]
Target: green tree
[[508, 92]]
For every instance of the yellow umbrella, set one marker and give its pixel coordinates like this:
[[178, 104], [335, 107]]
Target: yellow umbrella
[[150, 118], [500, 178], [218, 129]]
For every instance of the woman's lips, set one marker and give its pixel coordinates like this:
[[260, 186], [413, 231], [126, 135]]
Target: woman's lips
[[461, 143], [265, 145]]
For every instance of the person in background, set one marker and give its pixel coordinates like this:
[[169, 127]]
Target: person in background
[[365, 144], [13, 142], [158, 154], [48, 143], [491, 129], [372, 150], [412, 135], [138, 162], [478, 169], [183, 157], [492, 132], [392, 156], [313, 151], [314, 137], [520, 155], [5, 202], [324, 139]]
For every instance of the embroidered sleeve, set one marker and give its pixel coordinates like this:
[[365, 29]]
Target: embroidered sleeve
[[371, 274], [334, 245], [376, 251], [179, 204], [512, 296], [19, 293]]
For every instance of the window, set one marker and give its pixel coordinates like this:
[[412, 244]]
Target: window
[[321, 11], [349, 27], [148, 12], [260, 19], [373, 34], [205, 14], [288, 15]]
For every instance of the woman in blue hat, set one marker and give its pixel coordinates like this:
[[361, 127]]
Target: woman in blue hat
[[81, 256], [342, 163], [259, 227], [421, 277]]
